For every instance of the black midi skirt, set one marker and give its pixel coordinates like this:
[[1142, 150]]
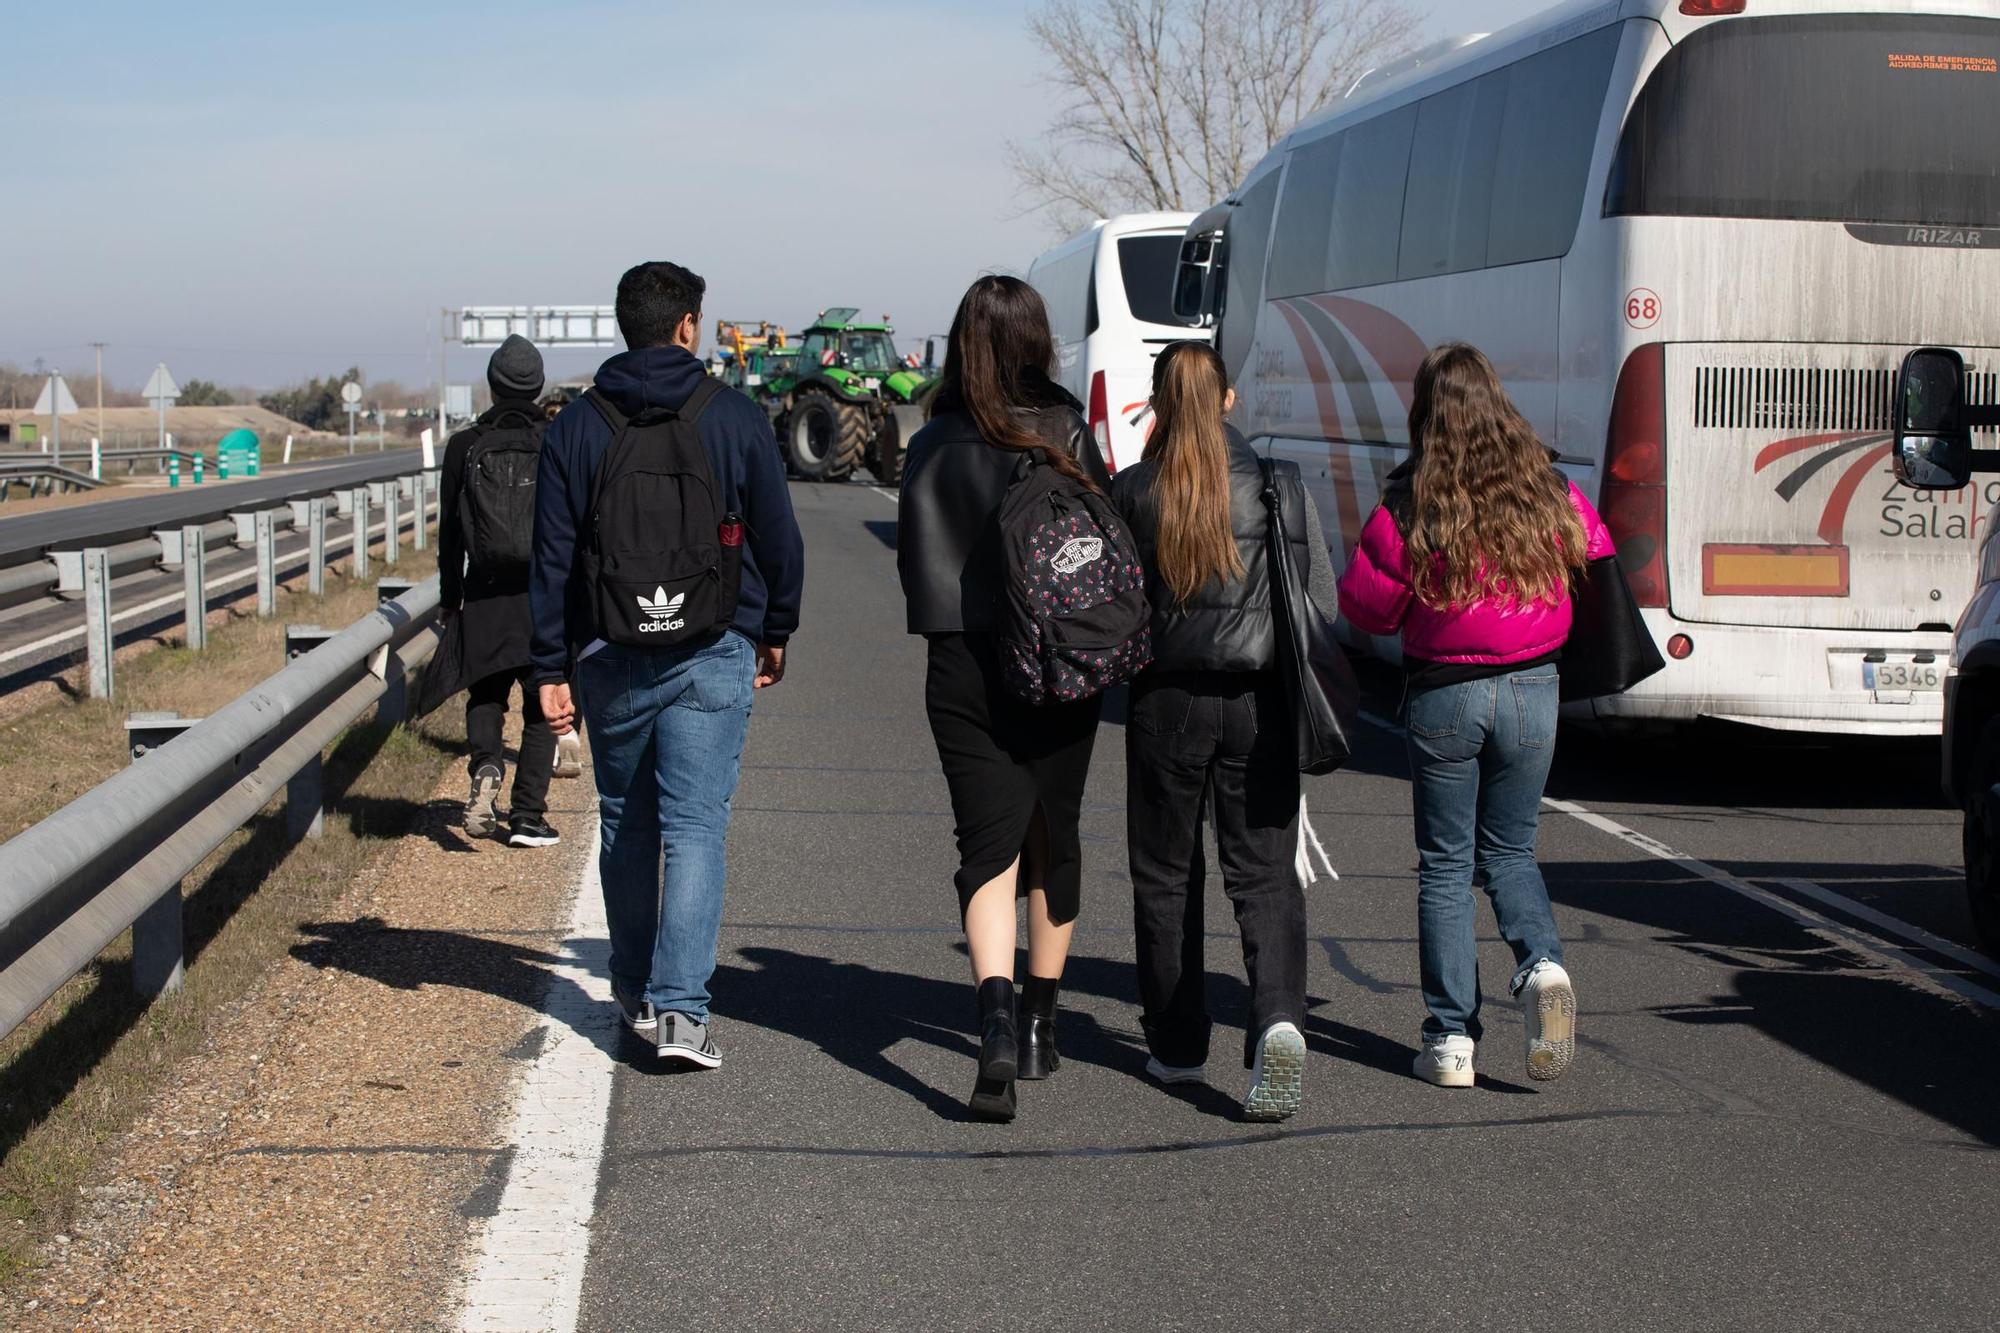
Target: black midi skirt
[[1004, 760]]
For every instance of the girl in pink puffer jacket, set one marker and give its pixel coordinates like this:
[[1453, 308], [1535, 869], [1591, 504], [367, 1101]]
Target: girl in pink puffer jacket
[[1470, 560]]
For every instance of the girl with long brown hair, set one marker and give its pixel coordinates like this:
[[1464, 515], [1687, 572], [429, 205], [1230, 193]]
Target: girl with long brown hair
[[1208, 718], [1016, 772], [1470, 559]]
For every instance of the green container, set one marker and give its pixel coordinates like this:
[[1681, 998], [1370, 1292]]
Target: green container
[[236, 454]]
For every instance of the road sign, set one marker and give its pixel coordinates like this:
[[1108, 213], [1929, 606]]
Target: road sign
[[160, 392], [160, 388], [545, 326], [56, 399], [55, 404], [350, 393]]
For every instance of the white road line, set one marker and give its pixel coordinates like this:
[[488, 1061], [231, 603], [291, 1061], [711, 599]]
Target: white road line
[[175, 599], [529, 1271], [891, 496], [1926, 971], [1902, 930]]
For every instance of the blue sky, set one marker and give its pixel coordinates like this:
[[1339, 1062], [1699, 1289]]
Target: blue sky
[[256, 192]]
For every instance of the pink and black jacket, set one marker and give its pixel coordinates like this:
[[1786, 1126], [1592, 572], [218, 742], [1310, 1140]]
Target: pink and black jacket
[[1377, 596]]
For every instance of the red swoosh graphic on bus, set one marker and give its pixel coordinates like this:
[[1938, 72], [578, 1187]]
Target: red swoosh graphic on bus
[[1339, 461], [1394, 344], [1833, 522], [1316, 371], [1771, 453]]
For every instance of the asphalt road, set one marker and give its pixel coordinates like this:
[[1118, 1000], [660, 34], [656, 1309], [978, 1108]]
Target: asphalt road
[[27, 536], [1774, 1121]]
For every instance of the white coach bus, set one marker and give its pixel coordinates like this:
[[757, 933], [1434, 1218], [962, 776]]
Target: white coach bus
[[1109, 290], [1697, 237]]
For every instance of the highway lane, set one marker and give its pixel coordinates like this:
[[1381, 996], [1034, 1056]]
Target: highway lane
[[26, 536], [1777, 1119], [43, 638]]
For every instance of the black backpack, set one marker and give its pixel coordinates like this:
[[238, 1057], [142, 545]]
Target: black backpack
[[496, 506], [663, 557], [1075, 620]]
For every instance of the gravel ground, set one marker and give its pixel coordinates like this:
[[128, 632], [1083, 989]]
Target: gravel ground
[[321, 1163]]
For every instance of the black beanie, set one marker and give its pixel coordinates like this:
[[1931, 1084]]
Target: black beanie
[[515, 370]]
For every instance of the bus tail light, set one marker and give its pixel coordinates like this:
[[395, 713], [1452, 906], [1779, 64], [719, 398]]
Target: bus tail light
[[1100, 419], [1634, 493], [1708, 9]]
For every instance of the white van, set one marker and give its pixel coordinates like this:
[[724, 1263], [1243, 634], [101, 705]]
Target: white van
[[1110, 290]]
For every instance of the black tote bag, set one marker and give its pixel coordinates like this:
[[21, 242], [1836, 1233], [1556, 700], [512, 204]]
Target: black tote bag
[[1609, 648], [1313, 667]]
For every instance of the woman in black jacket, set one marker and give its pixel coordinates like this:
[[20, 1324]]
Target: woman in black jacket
[[1208, 716], [1016, 771]]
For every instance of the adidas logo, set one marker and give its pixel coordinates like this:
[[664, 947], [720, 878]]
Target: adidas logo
[[661, 610], [1076, 553]]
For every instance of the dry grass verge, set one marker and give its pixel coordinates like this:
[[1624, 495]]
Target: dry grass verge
[[76, 1073]]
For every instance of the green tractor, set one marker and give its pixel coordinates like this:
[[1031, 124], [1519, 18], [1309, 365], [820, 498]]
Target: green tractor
[[846, 399]]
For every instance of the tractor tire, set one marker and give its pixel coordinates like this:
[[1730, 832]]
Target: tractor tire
[[892, 442], [825, 438]]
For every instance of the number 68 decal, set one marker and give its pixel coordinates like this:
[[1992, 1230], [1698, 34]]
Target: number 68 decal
[[1642, 307]]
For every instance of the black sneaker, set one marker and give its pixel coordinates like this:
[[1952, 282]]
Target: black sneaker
[[682, 1038], [634, 1008], [531, 831], [480, 816]]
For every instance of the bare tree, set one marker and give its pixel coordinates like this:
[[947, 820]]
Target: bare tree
[[1166, 103]]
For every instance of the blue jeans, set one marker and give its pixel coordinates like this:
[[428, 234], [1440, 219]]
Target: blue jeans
[[1479, 758], [666, 743]]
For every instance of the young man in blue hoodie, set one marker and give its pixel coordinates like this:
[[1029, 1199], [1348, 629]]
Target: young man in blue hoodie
[[666, 726]]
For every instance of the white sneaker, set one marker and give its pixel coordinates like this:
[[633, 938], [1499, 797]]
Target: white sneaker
[[1445, 1061], [1277, 1077], [1176, 1073], [569, 756], [1548, 1012]]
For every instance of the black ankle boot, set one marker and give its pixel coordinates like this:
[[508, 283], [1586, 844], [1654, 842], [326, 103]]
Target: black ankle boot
[[991, 1100], [1038, 1028], [999, 1043]]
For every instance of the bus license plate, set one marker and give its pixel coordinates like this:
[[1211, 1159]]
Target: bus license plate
[[1903, 674]]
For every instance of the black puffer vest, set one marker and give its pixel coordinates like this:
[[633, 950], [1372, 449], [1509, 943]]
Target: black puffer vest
[[1225, 626]]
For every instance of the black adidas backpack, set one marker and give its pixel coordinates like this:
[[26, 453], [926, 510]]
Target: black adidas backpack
[[663, 556], [1075, 620], [496, 505]]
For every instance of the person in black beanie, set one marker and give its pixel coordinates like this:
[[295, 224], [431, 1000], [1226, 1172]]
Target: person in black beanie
[[486, 530]]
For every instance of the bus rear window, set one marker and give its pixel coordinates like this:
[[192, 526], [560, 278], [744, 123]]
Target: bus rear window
[[1148, 263], [1836, 117]]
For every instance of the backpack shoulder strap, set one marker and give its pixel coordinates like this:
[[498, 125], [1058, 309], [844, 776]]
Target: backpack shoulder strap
[[697, 402], [612, 416]]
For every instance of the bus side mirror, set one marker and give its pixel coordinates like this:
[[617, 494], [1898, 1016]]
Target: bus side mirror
[[1933, 435], [1195, 280]]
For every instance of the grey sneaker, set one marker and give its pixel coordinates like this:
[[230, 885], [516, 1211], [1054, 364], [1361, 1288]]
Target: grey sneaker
[[480, 817], [1278, 1076], [681, 1038], [1175, 1074], [569, 756], [633, 1006]]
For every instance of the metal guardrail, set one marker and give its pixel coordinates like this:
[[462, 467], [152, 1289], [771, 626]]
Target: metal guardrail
[[44, 479], [113, 858], [60, 570]]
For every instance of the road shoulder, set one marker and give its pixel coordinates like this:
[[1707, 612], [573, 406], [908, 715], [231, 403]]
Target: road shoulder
[[326, 1158]]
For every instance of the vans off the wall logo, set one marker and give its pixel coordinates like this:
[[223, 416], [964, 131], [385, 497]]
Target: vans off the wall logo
[[1076, 553], [660, 610]]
